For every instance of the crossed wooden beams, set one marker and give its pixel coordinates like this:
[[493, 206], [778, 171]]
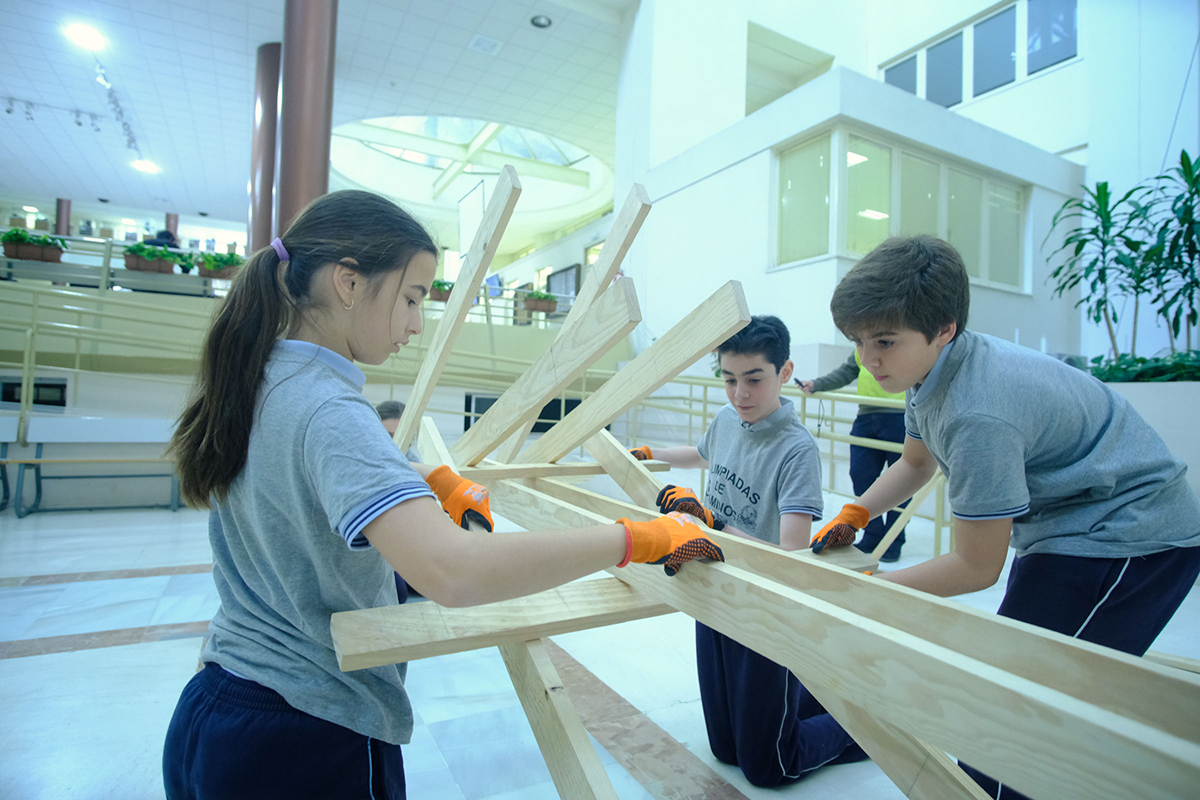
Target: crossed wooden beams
[[911, 677]]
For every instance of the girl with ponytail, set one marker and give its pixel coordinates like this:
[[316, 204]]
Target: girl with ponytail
[[312, 508]]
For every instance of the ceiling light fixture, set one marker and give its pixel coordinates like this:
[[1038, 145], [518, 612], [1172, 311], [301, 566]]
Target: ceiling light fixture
[[872, 214], [853, 158], [85, 36], [541, 21], [129, 222], [102, 78], [143, 165], [29, 209]]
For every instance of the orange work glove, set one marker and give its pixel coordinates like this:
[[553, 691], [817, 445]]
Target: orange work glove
[[462, 499], [678, 498], [842, 529], [642, 453], [670, 541]]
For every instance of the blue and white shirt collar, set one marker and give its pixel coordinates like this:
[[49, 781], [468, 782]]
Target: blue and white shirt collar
[[925, 389], [786, 409], [338, 363]]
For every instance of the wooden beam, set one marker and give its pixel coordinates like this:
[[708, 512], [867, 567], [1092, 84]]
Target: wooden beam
[[1037, 739], [486, 136], [598, 279], [607, 322], [475, 266], [574, 764], [490, 471], [376, 636], [1173, 661], [715, 320], [624, 468], [906, 514]]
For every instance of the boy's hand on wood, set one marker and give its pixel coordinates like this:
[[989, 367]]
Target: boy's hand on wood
[[678, 498], [671, 541], [842, 530], [642, 453]]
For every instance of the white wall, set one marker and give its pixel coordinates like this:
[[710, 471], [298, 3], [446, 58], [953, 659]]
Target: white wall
[[558, 255]]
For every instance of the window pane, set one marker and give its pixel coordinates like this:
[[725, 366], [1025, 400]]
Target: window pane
[[1051, 32], [919, 189], [996, 51], [1004, 235], [964, 218], [869, 193], [943, 72], [804, 201], [903, 75]]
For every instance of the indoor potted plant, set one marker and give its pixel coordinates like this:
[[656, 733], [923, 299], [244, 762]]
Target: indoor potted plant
[[20, 243], [222, 266], [440, 290], [142, 257], [540, 301]]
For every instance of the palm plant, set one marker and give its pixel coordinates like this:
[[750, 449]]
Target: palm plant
[[1177, 248]]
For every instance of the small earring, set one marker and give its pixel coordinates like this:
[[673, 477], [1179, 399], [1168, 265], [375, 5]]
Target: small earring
[[348, 307]]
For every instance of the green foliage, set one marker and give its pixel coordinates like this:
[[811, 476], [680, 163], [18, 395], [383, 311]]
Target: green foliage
[[154, 253], [443, 286], [1183, 366], [219, 261], [23, 236], [1177, 245], [539, 296]]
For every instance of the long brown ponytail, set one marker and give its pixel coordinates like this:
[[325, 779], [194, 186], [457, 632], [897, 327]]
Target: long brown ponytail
[[213, 435]]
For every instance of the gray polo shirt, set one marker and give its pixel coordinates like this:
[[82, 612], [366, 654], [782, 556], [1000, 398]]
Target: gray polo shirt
[[288, 548], [758, 472], [1019, 434]]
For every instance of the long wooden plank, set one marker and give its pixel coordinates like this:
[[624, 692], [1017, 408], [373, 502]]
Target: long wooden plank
[[1040, 741], [575, 765], [606, 322], [597, 280], [376, 636], [623, 468], [474, 268], [1170, 660], [715, 320], [486, 471], [906, 514]]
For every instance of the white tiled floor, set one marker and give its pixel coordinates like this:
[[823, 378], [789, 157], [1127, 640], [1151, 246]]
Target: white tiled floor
[[90, 723]]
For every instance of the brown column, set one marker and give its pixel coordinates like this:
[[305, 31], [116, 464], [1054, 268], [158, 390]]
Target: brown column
[[262, 148], [306, 105], [172, 224], [62, 217]]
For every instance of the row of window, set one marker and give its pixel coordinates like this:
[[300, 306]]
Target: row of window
[[984, 56], [893, 192]]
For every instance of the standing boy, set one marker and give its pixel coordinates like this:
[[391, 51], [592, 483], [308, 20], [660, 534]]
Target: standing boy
[[871, 422], [1106, 529], [764, 483]]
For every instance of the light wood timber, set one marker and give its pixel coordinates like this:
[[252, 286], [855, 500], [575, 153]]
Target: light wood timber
[[564, 743], [849, 558], [906, 514], [597, 280], [715, 320], [474, 268], [1040, 741], [490, 471], [624, 468], [575, 766], [1174, 661], [376, 636], [606, 322]]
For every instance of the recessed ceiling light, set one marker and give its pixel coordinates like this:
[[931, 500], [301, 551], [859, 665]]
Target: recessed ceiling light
[[202, 213], [540, 21], [102, 199], [870, 213], [142, 165], [85, 36], [129, 222], [29, 209]]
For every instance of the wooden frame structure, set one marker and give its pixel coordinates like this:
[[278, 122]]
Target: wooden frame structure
[[911, 677]]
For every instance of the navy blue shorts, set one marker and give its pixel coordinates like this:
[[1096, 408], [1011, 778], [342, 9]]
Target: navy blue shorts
[[1122, 603], [232, 738]]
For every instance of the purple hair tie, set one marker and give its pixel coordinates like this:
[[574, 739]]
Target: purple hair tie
[[280, 250]]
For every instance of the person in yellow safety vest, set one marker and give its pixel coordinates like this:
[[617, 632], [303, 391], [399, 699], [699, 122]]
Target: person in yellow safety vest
[[866, 463]]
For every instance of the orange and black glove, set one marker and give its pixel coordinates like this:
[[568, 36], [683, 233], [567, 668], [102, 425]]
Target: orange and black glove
[[671, 541], [642, 453], [678, 498], [462, 499], [843, 529]]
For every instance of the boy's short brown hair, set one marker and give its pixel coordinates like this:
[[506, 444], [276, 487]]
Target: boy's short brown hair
[[914, 282]]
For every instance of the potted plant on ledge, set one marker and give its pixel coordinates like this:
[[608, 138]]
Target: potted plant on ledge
[[440, 290], [222, 266], [20, 243], [541, 301]]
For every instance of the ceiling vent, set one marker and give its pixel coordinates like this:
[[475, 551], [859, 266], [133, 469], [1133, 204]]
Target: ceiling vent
[[485, 45]]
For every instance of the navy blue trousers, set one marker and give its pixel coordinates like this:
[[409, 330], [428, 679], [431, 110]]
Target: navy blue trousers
[[232, 738], [759, 716], [1122, 603], [867, 464]]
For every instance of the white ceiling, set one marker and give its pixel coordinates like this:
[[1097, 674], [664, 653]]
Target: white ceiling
[[183, 75]]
